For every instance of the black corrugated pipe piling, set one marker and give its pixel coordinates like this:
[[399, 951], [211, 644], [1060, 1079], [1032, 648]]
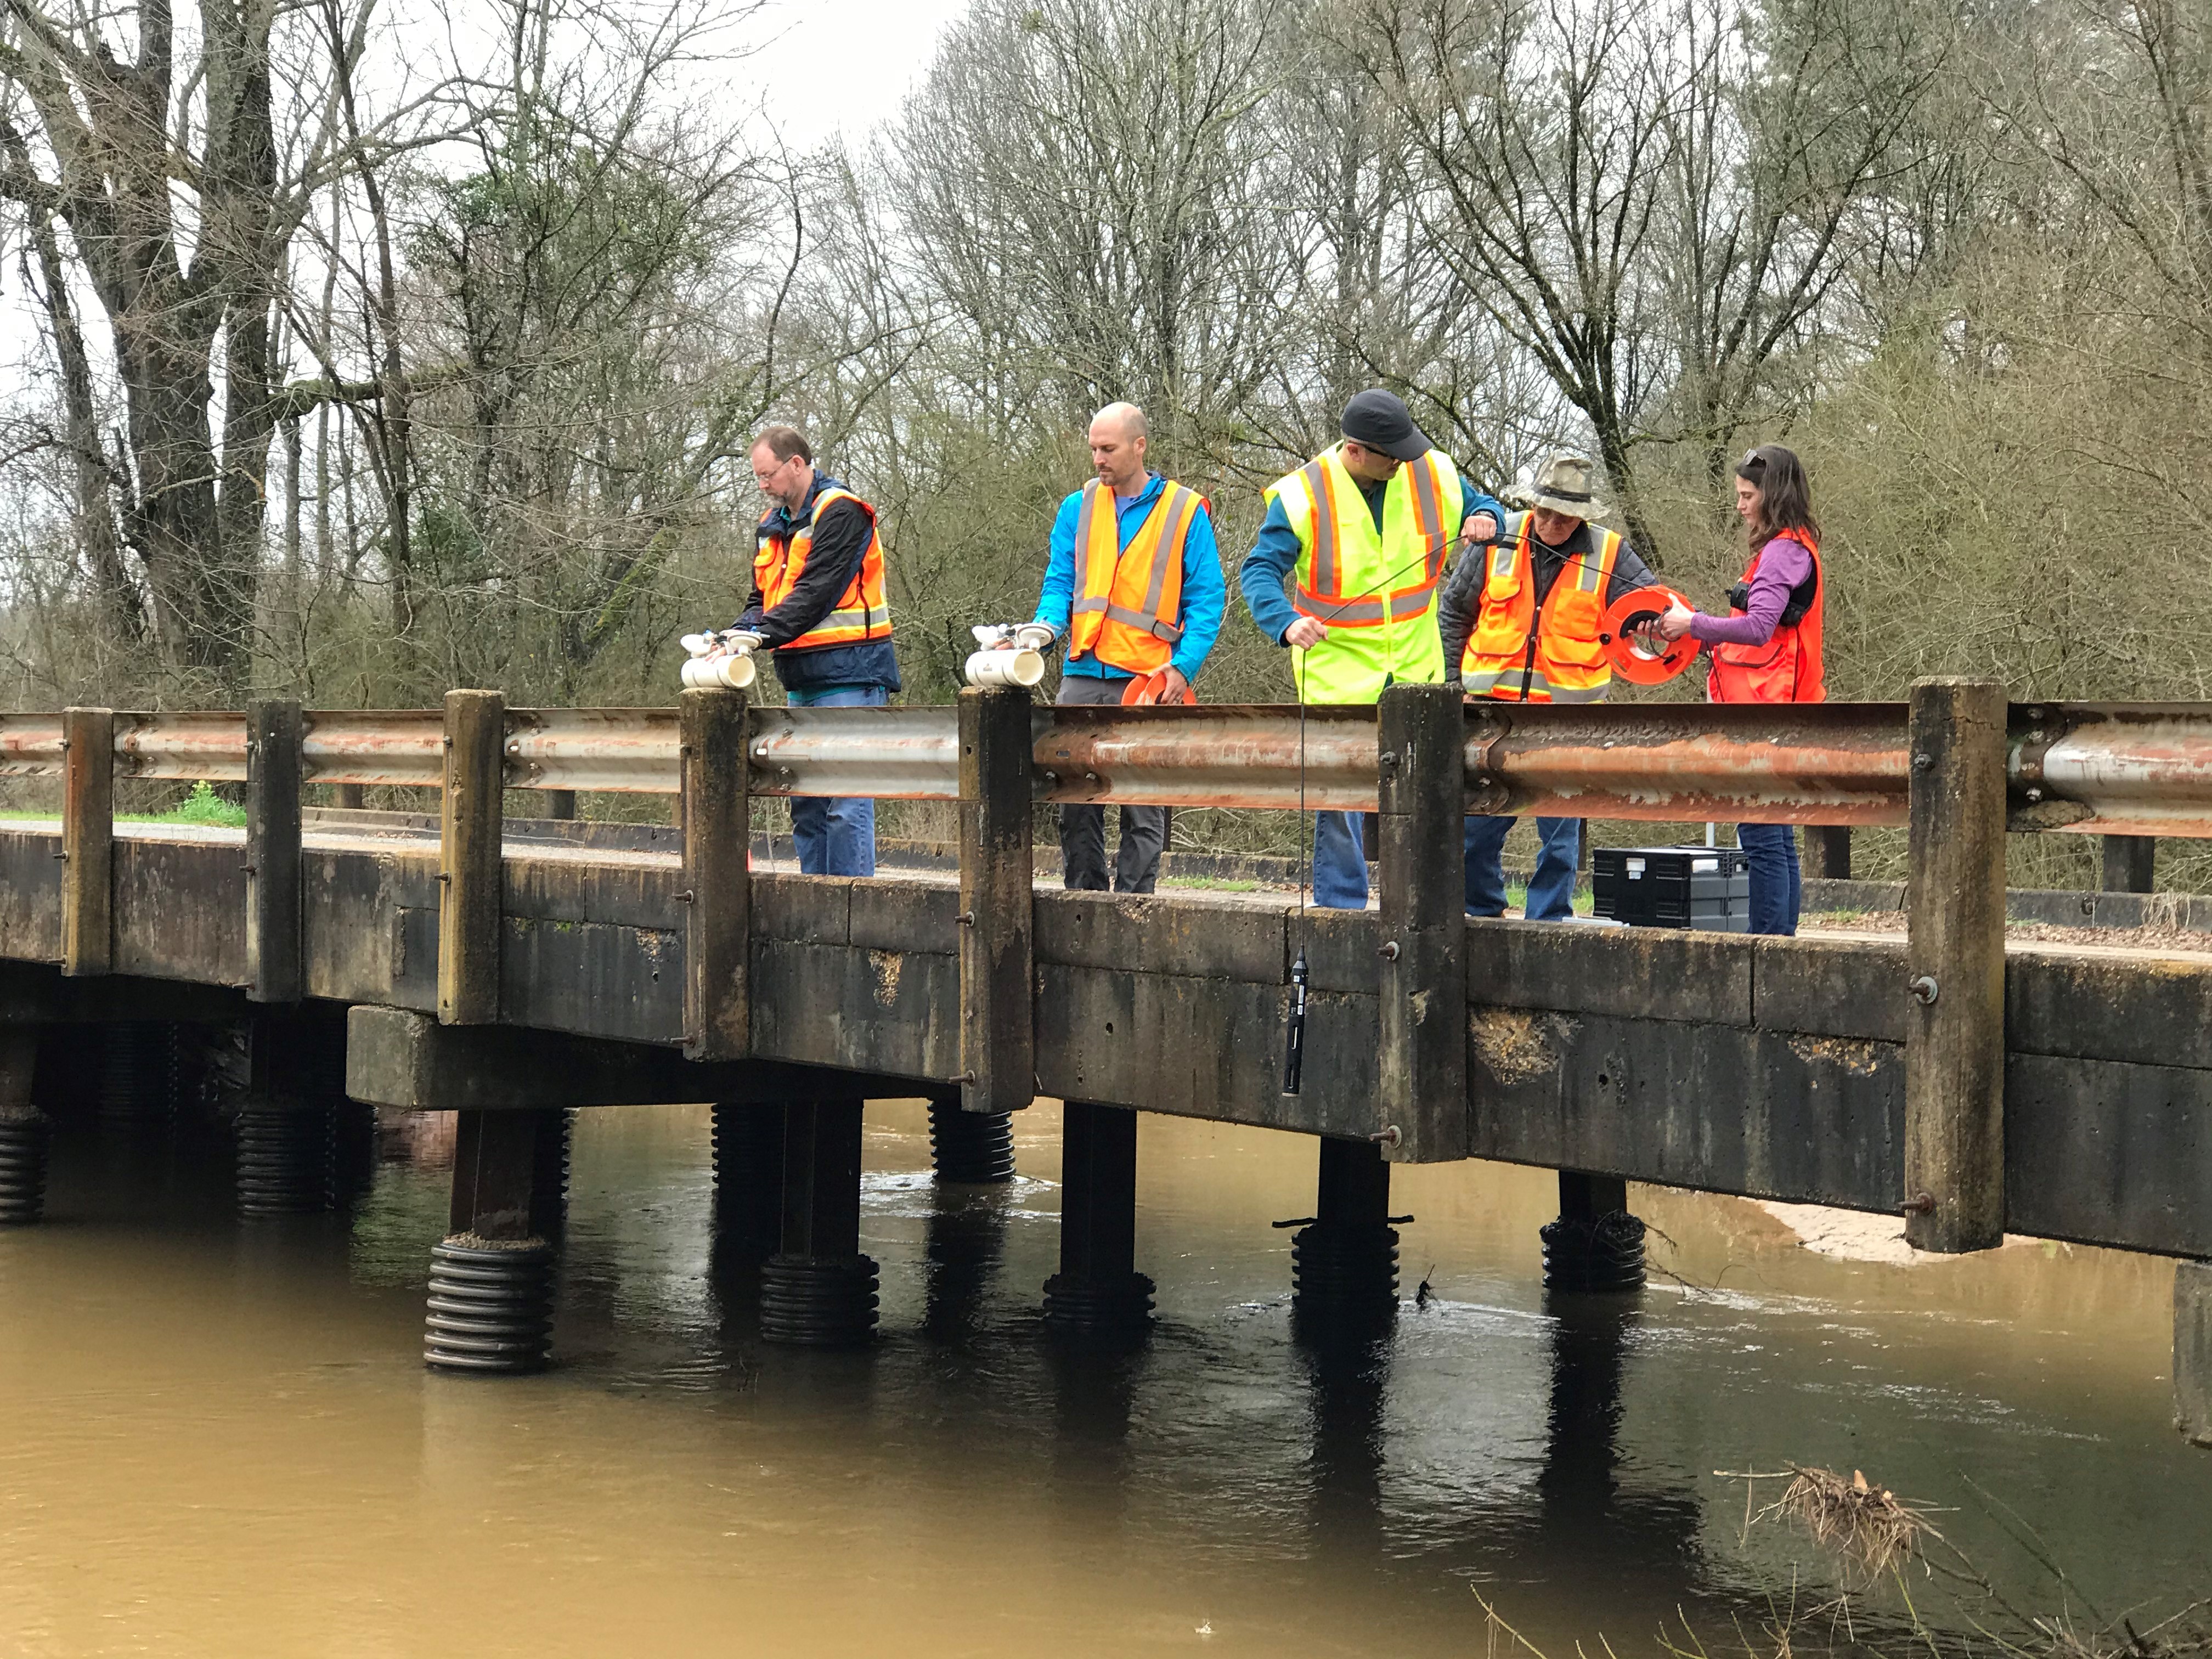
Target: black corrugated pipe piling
[[285, 1156], [748, 1182], [1099, 1294], [970, 1149], [1344, 1262], [818, 1290], [23, 1130], [137, 1074], [1596, 1246], [492, 1277]]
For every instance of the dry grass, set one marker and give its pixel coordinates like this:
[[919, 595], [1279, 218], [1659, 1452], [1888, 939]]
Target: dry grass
[[1866, 1527]]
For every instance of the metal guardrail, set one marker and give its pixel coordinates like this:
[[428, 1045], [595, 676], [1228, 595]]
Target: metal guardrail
[[2095, 769]]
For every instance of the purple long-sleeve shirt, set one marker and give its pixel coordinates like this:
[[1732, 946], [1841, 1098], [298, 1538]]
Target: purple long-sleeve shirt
[[1783, 564]]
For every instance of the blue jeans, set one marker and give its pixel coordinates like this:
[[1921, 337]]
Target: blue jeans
[[836, 837], [1339, 861], [1776, 888], [1551, 890]]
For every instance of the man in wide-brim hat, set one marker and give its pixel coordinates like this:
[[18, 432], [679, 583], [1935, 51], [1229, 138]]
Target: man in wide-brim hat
[[1521, 621]]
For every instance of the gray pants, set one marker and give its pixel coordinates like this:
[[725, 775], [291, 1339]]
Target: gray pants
[[1082, 828]]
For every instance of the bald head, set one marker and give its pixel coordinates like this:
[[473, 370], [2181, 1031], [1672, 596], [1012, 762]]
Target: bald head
[[1117, 447]]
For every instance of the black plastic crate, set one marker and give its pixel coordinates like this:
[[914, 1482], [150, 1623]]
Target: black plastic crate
[[1695, 886]]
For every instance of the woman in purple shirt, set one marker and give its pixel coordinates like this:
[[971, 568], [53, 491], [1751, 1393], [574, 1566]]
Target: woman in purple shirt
[[1768, 647]]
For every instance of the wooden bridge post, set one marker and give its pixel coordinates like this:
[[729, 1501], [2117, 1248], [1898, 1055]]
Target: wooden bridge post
[[273, 968], [2130, 862], [469, 829], [717, 873], [998, 1035], [1832, 841], [1422, 1071], [1955, 968], [88, 841]]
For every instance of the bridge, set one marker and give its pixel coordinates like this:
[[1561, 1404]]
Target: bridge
[[511, 968]]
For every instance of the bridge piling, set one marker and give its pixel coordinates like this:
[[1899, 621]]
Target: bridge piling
[[24, 1129], [1344, 1263], [970, 1149], [491, 1279], [1954, 1039], [748, 1149], [818, 1290], [1098, 1293], [1597, 1245]]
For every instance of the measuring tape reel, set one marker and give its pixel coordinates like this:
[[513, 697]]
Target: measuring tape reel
[[1638, 658]]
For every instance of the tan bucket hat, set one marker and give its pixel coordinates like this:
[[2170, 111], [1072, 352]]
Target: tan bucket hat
[[1563, 485]]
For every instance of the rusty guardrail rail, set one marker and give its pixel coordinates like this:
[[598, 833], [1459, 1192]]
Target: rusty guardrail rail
[[2089, 769]]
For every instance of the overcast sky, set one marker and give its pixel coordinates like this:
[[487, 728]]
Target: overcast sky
[[843, 66]]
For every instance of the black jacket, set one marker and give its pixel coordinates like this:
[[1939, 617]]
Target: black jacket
[[1461, 597], [840, 540]]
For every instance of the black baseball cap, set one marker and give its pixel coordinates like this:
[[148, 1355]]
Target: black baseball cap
[[1381, 420]]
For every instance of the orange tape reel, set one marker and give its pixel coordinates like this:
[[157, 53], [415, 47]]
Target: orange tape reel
[[1643, 659], [1148, 690]]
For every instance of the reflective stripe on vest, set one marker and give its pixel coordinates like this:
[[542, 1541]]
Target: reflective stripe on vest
[[861, 611], [1128, 599], [1517, 652], [1789, 667]]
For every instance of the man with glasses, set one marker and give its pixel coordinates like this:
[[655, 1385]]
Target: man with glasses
[[818, 606]]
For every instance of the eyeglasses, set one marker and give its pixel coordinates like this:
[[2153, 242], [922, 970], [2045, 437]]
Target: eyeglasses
[[1752, 460]]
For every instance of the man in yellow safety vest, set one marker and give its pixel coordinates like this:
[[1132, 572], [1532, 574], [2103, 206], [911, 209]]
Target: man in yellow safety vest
[[1345, 572], [1134, 583]]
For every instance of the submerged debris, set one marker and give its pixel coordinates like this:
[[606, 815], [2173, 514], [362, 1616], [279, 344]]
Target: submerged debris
[[1866, 1525]]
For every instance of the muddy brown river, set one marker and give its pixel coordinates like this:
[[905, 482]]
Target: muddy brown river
[[220, 1439]]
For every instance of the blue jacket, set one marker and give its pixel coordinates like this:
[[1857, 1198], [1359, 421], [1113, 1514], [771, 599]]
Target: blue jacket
[[840, 540], [1205, 593], [1267, 566]]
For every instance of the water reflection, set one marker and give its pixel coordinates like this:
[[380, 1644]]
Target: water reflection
[[966, 1240], [968, 1486]]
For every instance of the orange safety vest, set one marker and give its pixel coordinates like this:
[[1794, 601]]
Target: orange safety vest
[[1128, 601], [861, 611], [1788, 668], [1516, 653]]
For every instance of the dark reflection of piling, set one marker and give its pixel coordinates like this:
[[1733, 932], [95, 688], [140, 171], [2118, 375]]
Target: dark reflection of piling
[[1590, 1516], [1093, 1393], [1348, 1371], [966, 1238]]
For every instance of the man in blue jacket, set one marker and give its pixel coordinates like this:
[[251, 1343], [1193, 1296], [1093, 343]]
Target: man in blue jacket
[[1135, 584]]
